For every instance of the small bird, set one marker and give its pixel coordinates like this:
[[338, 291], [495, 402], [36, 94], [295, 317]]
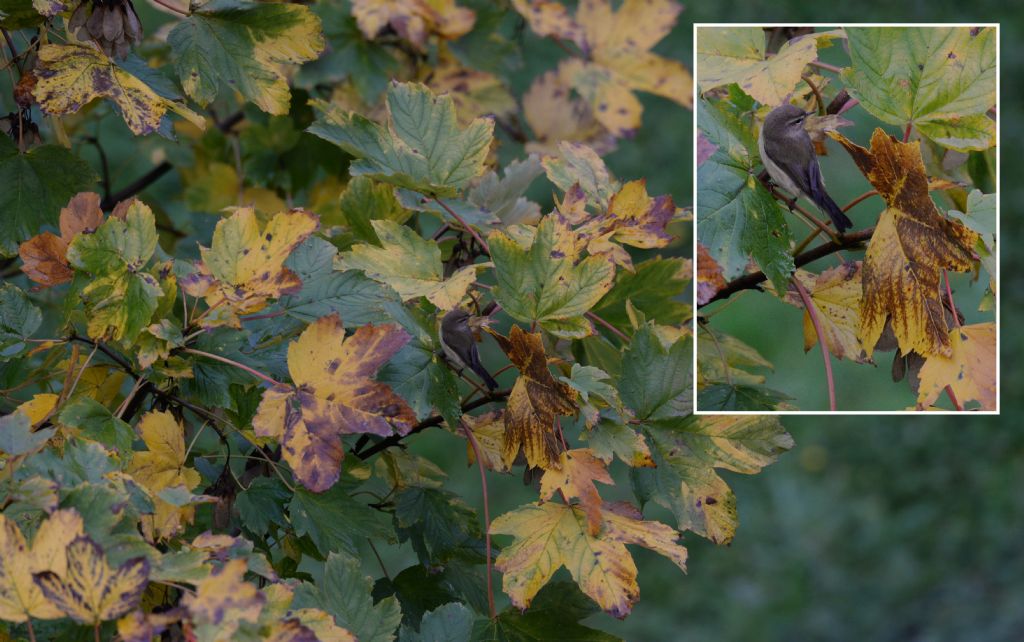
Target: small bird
[[460, 346], [788, 155]]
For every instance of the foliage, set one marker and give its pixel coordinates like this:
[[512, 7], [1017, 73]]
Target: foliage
[[938, 85], [216, 380]]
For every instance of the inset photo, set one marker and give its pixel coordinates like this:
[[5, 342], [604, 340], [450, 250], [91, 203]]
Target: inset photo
[[847, 218]]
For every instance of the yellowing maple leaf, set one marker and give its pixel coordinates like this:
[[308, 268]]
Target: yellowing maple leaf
[[413, 20], [910, 247], [89, 591], [970, 370], [333, 395], [244, 266], [548, 536], [20, 597], [535, 400], [160, 467], [555, 115], [223, 600], [578, 470], [489, 431], [836, 294], [71, 76], [617, 46]]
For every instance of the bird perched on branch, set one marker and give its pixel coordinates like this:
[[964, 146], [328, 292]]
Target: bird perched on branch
[[459, 344], [788, 154]]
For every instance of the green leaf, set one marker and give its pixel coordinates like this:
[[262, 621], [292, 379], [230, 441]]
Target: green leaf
[[656, 288], [440, 525], [687, 451], [18, 320], [540, 282], [98, 423], [656, 382], [334, 520], [448, 623], [355, 297], [343, 590], [244, 45], [410, 264], [581, 165], [262, 504], [418, 590], [940, 79], [422, 148], [739, 396], [36, 185], [16, 436], [554, 614], [121, 298], [365, 201], [738, 216]]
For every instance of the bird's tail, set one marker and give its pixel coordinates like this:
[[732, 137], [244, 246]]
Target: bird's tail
[[839, 218], [486, 376]]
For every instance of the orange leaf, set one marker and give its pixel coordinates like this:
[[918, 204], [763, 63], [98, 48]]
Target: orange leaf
[[970, 371], [579, 470]]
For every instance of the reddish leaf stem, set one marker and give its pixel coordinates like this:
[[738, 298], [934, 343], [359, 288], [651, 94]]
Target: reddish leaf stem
[[463, 223], [813, 312], [230, 362], [906, 132], [619, 333], [952, 397], [824, 65], [487, 515], [171, 7]]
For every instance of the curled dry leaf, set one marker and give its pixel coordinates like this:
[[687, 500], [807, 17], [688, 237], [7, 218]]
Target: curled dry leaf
[[536, 399], [910, 247], [44, 256], [709, 276]]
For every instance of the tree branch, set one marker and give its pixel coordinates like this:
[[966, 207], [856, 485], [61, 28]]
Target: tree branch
[[752, 280]]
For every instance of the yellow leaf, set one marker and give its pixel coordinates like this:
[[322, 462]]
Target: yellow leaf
[[548, 536], [244, 266], [618, 44], [163, 466], [555, 114], [413, 20], [910, 247], [475, 93], [575, 477], [333, 395], [535, 400], [20, 597], [38, 407], [970, 370], [489, 431], [89, 591], [222, 601], [71, 76], [836, 295]]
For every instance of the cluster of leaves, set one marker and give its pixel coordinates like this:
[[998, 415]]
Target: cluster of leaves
[[937, 84], [208, 391]]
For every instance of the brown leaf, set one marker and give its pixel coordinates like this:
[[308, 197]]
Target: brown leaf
[[82, 215], [709, 276], [45, 255], [579, 470], [910, 247], [535, 400]]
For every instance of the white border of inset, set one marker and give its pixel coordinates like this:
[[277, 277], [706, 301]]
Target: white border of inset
[[999, 235]]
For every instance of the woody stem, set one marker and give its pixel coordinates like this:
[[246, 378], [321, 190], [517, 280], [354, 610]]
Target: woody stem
[[813, 312]]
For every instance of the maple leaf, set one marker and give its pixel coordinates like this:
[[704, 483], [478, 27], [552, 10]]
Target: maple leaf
[[160, 467], [534, 402], [71, 76], [475, 93], [548, 536], [223, 600], [89, 591], [910, 247], [709, 276], [619, 60], [413, 20], [19, 319], [688, 450], [941, 80], [574, 477], [970, 370], [541, 282], [333, 395], [44, 256], [728, 55], [579, 167], [555, 115], [20, 597], [609, 438], [121, 297], [489, 431], [836, 294], [244, 266], [244, 45], [410, 264], [422, 148]]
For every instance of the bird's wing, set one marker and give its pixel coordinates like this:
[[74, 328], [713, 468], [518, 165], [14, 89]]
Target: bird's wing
[[795, 157]]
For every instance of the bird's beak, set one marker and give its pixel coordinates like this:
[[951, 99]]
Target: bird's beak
[[476, 323]]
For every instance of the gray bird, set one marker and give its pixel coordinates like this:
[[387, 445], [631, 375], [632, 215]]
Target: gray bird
[[460, 346], [788, 155]]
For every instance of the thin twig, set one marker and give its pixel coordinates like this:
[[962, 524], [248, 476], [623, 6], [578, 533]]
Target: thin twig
[[817, 95], [231, 362], [906, 132], [170, 7], [810, 218], [813, 235], [464, 224], [622, 335], [379, 560], [487, 515], [813, 312], [824, 65]]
